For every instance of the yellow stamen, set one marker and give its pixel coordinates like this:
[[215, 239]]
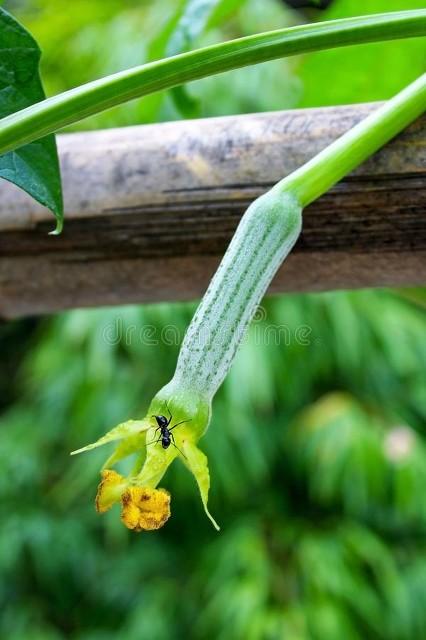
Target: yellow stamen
[[145, 509]]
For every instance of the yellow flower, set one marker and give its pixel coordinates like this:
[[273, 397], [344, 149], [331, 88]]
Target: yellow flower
[[145, 509]]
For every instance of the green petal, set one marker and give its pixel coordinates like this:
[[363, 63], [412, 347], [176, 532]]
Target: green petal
[[198, 464], [121, 431], [156, 463], [129, 446]]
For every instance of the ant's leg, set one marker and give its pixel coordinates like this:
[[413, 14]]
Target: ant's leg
[[157, 427], [170, 414], [155, 433], [176, 447], [179, 423], [153, 441]]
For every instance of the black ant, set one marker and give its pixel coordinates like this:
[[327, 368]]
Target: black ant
[[166, 436]]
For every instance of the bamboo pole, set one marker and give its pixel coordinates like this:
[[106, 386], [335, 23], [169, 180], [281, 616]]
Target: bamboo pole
[[149, 211]]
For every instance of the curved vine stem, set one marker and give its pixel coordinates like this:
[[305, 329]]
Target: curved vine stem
[[342, 156], [71, 106]]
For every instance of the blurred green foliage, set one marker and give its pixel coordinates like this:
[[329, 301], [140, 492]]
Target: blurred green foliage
[[366, 73], [317, 444]]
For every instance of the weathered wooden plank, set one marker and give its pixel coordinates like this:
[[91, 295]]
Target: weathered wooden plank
[[150, 210]]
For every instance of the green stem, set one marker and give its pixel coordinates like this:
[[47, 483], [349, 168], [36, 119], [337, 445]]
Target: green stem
[[347, 152], [54, 113]]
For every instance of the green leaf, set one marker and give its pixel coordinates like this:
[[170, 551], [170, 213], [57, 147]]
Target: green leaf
[[191, 25], [35, 166]]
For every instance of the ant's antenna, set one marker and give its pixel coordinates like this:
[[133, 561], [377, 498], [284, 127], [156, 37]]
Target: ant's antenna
[[179, 423], [181, 452]]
